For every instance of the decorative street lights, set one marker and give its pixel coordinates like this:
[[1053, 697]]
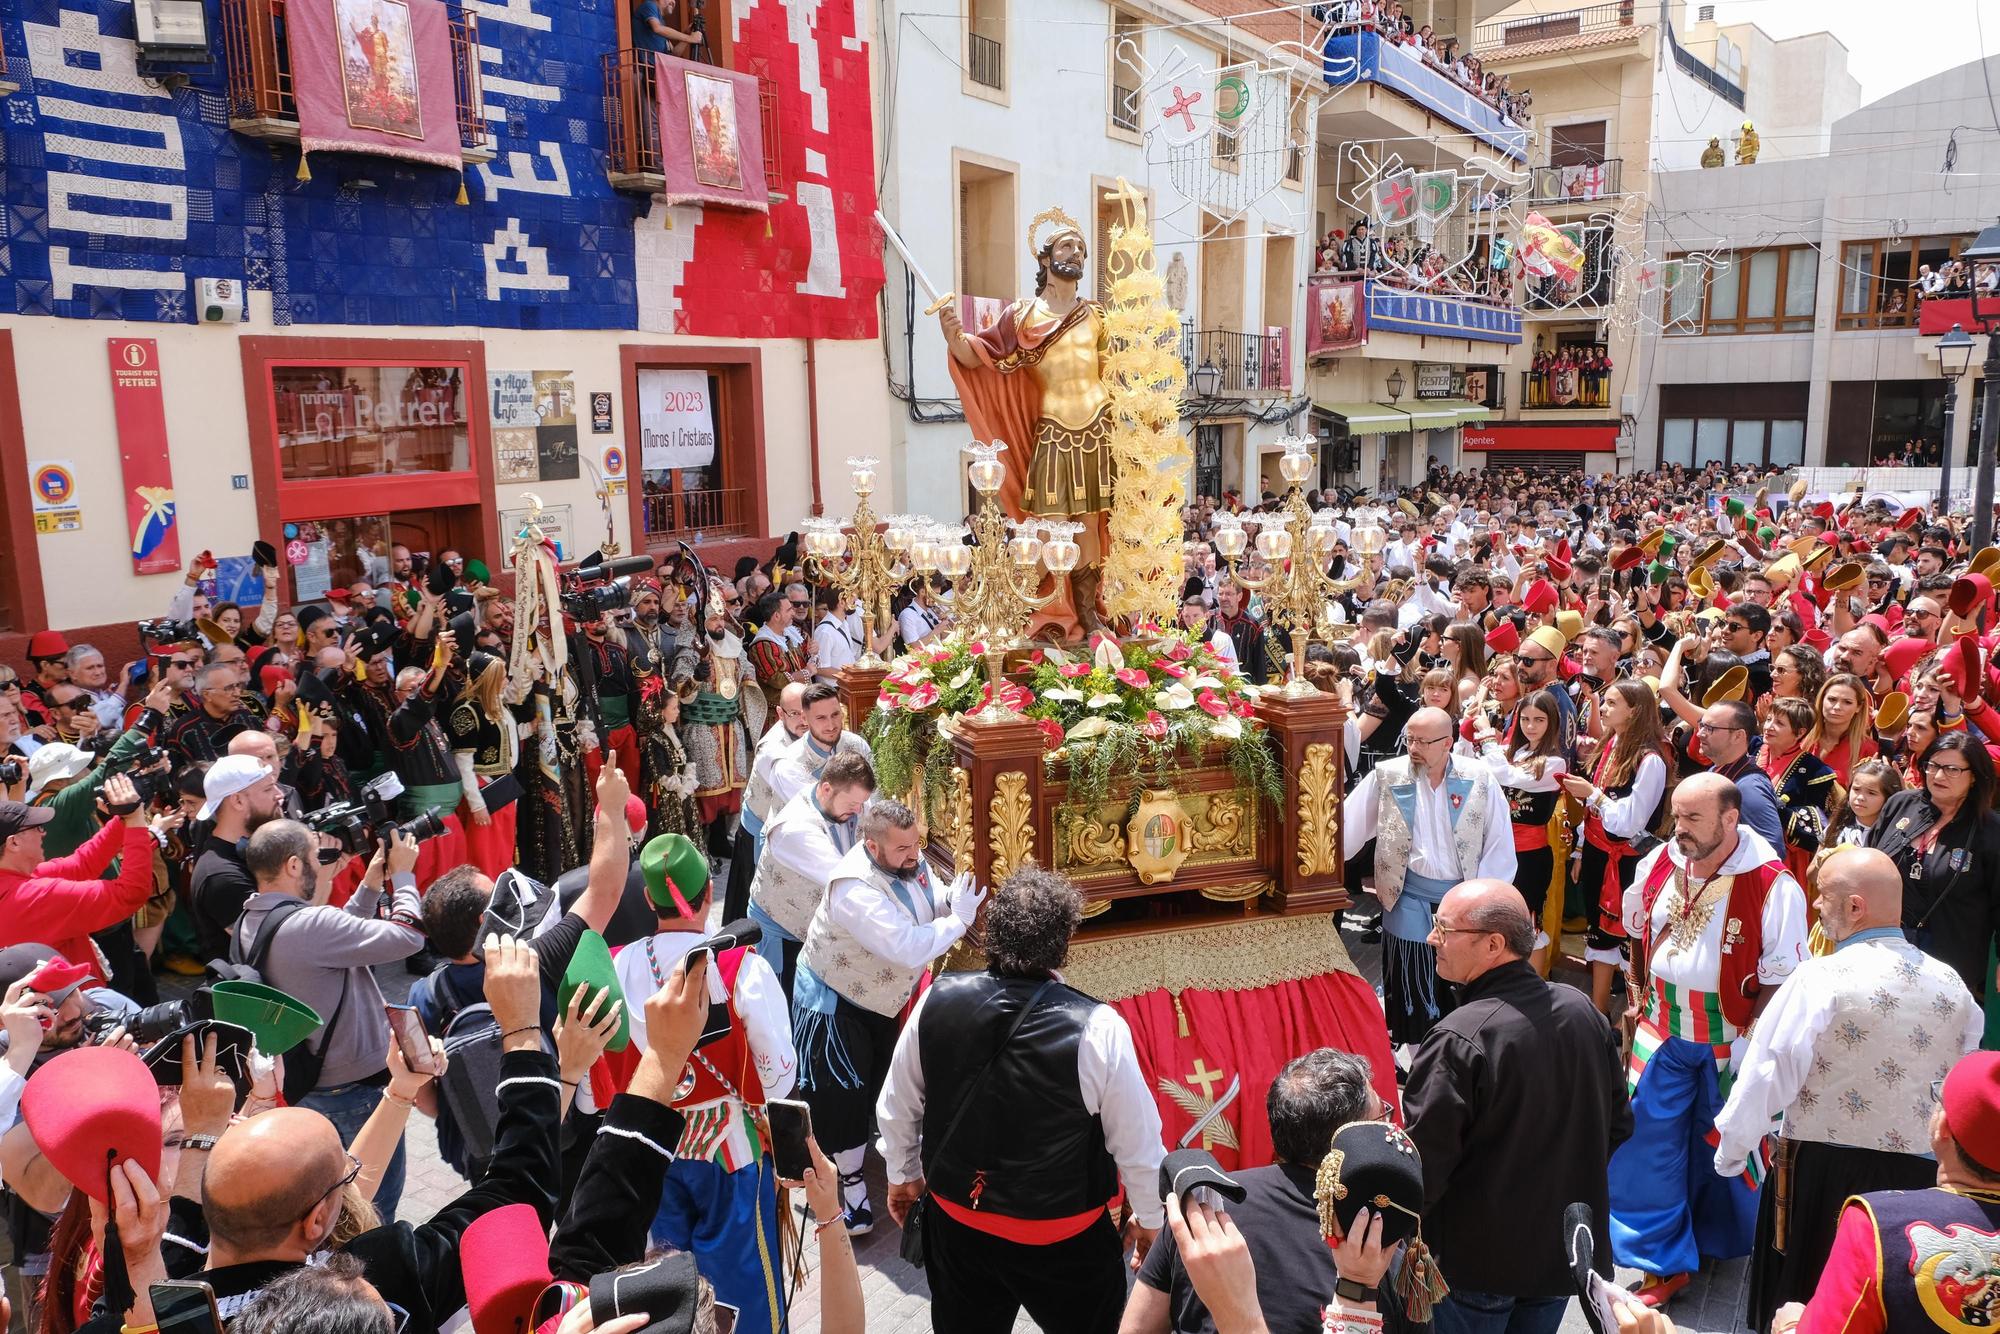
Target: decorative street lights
[[1295, 542], [1954, 355], [863, 566], [1985, 249], [997, 592], [1394, 384]]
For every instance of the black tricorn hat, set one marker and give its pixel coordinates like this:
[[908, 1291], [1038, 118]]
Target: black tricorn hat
[[1374, 1165], [1184, 1169], [667, 1289], [314, 691], [232, 1053], [377, 638], [264, 554]]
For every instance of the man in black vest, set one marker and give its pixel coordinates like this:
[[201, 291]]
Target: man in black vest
[[1018, 1103]]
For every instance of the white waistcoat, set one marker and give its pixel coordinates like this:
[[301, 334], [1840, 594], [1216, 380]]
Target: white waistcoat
[[1466, 783], [844, 963]]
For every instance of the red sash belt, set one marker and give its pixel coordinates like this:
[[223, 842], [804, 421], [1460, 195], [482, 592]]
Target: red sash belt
[[1611, 891], [1530, 837]]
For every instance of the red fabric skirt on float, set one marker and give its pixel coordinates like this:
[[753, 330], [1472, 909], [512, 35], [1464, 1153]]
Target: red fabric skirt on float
[[1237, 1000], [490, 847]]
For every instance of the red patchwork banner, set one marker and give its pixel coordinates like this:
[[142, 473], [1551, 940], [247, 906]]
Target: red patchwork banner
[[374, 76], [141, 414], [711, 135]]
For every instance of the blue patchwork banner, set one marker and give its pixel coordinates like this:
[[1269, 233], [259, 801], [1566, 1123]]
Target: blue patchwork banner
[[119, 192], [1400, 310], [1358, 55]]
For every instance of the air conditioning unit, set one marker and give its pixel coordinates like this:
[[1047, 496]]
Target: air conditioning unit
[[1625, 445], [1628, 405], [218, 300]]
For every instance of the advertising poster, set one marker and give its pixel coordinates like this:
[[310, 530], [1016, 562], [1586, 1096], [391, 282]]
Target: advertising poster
[[141, 414], [676, 420], [52, 484], [558, 458]]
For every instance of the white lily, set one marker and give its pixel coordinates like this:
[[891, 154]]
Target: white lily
[[1089, 727], [1063, 693], [1102, 700], [1176, 696], [1227, 728]]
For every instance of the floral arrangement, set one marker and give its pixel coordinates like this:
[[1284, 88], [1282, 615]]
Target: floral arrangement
[[1148, 707]]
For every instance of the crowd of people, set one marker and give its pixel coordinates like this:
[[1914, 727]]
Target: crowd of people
[[1447, 55], [1407, 261], [1666, 791]]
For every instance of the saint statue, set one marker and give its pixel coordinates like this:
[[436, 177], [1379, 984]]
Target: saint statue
[[1033, 379]]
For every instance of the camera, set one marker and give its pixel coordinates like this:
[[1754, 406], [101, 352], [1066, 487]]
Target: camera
[[165, 630], [153, 1022], [590, 590], [359, 826], [149, 778], [12, 772]]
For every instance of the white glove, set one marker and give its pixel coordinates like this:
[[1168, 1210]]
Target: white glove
[[965, 899], [1726, 1167]]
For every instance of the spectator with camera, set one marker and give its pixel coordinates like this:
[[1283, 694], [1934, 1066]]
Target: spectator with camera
[[240, 794], [215, 715], [322, 955], [60, 901], [66, 778]]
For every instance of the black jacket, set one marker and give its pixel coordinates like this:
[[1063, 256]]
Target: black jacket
[[619, 1190], [1951, 908], [1516, 1100]]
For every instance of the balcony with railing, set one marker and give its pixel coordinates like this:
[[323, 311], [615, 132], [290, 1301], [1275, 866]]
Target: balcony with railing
[[695, 517], [1566, 389], [632, 115], [1225, 363], [1359, 58], [259, 72], [1545, 27], [1576, 183]]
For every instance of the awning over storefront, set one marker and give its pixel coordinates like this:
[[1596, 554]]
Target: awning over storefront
[[1434, 414], [1467, 411], [1367, 418]]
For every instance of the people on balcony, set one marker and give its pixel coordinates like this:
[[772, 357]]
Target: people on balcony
[[1571, 376], [1391, 24], [652, 32]]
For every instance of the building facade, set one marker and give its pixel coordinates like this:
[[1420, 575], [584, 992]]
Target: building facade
[[338, 350], [1787, 327]]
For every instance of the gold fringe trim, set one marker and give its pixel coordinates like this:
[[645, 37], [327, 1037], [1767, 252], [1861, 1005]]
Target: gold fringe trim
[[1231, 956]]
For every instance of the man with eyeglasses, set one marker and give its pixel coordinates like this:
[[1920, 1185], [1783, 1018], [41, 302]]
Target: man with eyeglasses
[[1924, 619], [1444, 820], [772, 652], [1717, 924], [1848, 1071], [202, 734], [47, 656], [1724, 735]]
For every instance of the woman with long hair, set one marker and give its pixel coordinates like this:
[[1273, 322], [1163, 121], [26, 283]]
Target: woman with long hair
[[1530, 770], [486, 738], [1797, 673], [1464, 647], [1622, 799], [1803, 781], [1945, 838], [1841, 734]]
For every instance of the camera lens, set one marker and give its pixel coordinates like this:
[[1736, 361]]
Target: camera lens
[[156, 1021]]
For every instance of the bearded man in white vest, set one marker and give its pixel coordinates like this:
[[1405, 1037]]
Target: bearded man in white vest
[[1444, 821], [1846, 1054], [803, 844], [880, 924]]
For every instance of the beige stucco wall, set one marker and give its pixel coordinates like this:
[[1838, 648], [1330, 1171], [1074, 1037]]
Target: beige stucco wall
[[66, 414]]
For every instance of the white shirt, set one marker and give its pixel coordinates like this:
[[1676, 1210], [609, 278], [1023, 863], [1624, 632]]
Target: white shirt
[[1785, 1044], [11, 1085], [916, 624], [1431, 840], [1521, 780], [1114, 1090], [759, 1001], [795, 769], [1699, 966], [1629, 816], [881, 925], [836, 645]]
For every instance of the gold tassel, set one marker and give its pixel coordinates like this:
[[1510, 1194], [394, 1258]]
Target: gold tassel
[[305, 172], [767, 225], [1180, 1016], [305, 725], [667, 219], [461, 189]]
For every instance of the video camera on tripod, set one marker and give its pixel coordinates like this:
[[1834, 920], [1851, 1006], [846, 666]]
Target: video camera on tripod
[[597, 585]]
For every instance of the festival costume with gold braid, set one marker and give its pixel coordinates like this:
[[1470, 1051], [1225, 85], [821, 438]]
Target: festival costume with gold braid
[[719, 725]]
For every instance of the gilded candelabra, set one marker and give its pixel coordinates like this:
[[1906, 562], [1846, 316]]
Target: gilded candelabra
[[862, 564], [1295, 542], [999, 590]]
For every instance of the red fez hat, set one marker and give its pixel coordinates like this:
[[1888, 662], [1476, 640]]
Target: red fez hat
[[1969, 593], [1880, 622], [1626, 558], [1904, 654], [1971, 1101], [1909, 518], [635, 812], [505, 1257], [1824, 509], [1503, 638], [1803, 607], [47, 644], [269, 677], [338, 595], [1558, 569], [91, 1108], [1963, 664], [57, 977], [1540, 597]]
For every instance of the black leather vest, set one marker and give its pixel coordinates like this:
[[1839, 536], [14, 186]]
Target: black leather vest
[[1026, 1148], [1938, 1249]]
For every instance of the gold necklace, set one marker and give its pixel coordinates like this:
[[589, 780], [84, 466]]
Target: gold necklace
[[1688, 913]]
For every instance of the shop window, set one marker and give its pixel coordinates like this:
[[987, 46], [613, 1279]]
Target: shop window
[[363, 547], [337, 421]]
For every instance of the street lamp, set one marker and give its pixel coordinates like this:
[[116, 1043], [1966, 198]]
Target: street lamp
[[1395, 385], [1207, 379], [1985, 249], [1954, 355]]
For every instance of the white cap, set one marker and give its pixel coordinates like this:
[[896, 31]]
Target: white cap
[[55, 763], [228, 776]]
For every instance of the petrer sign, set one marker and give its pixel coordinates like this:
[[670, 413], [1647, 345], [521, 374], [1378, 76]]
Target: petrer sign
[[676, 420]]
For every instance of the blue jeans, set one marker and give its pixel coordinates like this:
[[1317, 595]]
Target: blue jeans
[[1489, 1313], [349, 1106]]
